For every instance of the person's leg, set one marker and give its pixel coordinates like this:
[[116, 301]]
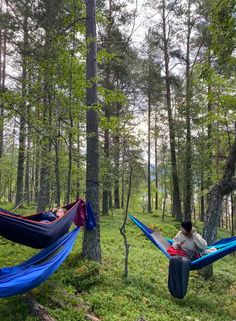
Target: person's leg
[[178, 276]]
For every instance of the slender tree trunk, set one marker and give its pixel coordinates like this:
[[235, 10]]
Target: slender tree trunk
[[20, 166], [209, 132], [123, 229], [110, 200], [57, 171], [91, 240], [1, 41], [1, 140], [233, 202], [149, 209], [22, 133], [78, 184], [106, 197], [27, 157], [70, 151], [226, 213], [43, 199], [202, 178], [176, 208], [165, 196], [188, 152], [32, 178], [156, 165], [117, 173], [164, 181], [50, 27], [10, 192], [2, 88], [105, 192], [202, 200], [70, 145], [123, 177], [27, 171], [37, 170], [117, 163]]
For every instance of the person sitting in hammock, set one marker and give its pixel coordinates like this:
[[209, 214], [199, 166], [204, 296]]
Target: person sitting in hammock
[[188, 243], [52, 215]]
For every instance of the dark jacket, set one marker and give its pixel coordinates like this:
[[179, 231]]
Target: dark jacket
[[48, 216]]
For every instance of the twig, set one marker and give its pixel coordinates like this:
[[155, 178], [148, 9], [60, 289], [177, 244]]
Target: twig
[[18, 205], [122, 229]]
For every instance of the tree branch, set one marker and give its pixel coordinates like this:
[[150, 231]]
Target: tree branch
[[38, 309]]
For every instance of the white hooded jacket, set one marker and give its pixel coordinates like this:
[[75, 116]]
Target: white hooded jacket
[[191, 244]]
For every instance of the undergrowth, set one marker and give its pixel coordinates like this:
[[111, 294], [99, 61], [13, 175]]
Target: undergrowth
[[80, 286]]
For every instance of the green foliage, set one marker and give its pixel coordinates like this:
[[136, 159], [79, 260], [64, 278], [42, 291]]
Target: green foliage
[[83, 276], [223, 29]]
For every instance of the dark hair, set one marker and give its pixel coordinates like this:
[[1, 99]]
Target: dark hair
[[187, 225]]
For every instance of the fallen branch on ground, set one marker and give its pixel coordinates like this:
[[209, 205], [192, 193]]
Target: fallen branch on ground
[[38, 309]]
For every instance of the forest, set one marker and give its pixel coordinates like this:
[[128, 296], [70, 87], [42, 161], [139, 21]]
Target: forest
[[129, 105]]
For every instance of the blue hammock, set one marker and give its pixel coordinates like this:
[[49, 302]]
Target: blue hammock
[[224, 246], [28, 275]]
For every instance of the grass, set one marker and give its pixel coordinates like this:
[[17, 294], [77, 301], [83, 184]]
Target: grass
[[79, 285]]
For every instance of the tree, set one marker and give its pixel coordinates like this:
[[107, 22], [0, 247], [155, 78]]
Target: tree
[[226, 185], [177, 211], [91, 240], [22, 111]]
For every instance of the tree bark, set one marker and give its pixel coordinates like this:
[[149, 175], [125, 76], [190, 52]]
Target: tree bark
[[215, 197], [176, 208], [91, 240]]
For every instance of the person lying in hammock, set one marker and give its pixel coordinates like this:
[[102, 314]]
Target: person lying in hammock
[[52, 215], [187, 243]]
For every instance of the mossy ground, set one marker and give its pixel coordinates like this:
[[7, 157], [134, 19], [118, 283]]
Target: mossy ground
[[79, 285]]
